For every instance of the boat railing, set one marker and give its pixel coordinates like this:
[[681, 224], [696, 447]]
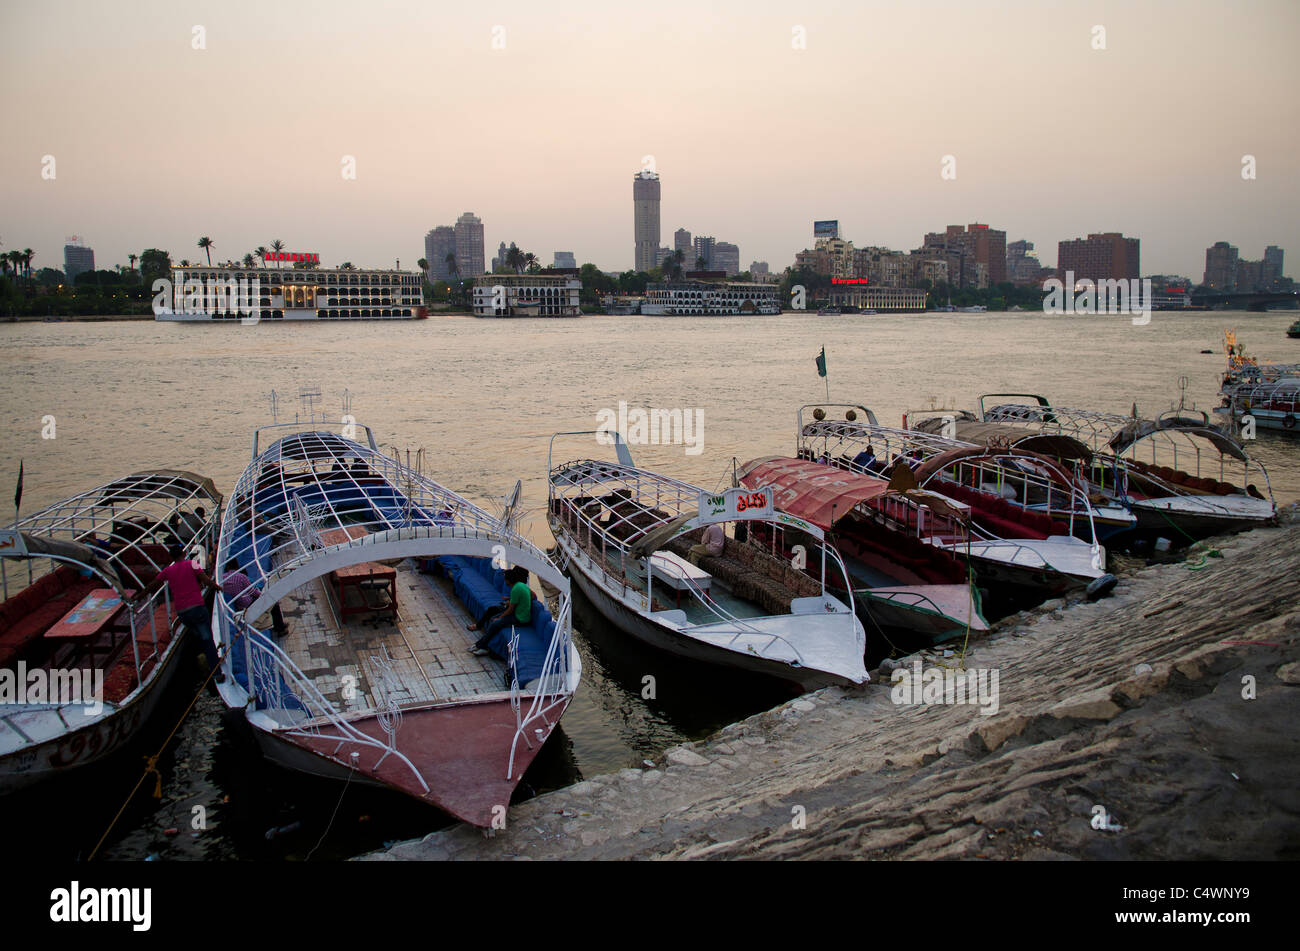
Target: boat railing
[[271, 674], [552, 685], [745, 629], [142, 615]]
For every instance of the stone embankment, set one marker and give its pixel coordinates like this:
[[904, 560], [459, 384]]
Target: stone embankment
[[1159, 723]]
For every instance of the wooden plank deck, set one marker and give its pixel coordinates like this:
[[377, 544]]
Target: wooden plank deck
[[427, 647]]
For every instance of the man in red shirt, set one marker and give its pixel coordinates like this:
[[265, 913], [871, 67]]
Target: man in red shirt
[[186, 580]]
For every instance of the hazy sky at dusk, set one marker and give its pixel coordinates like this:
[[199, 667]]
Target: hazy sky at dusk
[[157, 143]]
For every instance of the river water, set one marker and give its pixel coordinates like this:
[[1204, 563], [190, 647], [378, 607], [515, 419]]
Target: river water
[[482, 398]]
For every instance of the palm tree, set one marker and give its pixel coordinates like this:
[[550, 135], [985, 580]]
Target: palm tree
[[700, 263], [530, 262], [673, 265], [423, 265], [134, 258], [206, 245], [277, 246], [262, 252], [248, 260], [185, 262], [452, 267], [515, 258], [28, 254]]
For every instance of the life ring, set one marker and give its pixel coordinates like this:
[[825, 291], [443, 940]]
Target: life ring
[[1288, 421]]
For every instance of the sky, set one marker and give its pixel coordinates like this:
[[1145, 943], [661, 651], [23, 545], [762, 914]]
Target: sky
[[150, 123]]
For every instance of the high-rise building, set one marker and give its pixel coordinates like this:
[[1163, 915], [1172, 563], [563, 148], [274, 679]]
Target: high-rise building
[[645, 219], [439, 243], [726, 257], [703, 249], [1100, 257], [759, 271], [77, 259], [1272, 270], [1221, 266], [682, 243], [469, 245], [1022, 265], [563, 259], [979, 244]]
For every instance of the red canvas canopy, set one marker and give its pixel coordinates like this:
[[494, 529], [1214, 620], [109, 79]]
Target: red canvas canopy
[[814, 492]]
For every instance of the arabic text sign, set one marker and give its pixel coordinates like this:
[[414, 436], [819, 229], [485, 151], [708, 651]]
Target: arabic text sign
[[737, 504]]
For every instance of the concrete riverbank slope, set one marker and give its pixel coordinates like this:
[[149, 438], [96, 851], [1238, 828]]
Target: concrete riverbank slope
[[1160, 723]]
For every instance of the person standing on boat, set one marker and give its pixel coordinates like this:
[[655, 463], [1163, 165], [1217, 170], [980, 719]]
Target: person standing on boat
[[242, 593], [516, 610], [186, 581]]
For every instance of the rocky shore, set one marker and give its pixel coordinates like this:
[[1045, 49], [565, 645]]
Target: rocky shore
[[1159, 723]]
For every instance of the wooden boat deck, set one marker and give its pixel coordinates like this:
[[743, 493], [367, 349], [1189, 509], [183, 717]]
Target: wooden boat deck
[[428, 644]]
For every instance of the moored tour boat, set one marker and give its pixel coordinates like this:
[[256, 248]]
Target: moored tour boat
[[378, 572], [1032, 527], [903, 547], [625, 535], [84, 661], [1136, 463]]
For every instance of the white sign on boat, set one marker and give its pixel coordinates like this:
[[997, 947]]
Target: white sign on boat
[[11, 543], [736, 504]]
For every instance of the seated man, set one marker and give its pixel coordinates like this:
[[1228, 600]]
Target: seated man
[[865, 460], [515, 610], [715, 540]]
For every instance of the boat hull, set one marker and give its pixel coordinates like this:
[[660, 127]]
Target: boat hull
[[61, 756], [665, 638], [462, 752]]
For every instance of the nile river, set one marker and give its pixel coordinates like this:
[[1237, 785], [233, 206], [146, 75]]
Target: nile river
[[482, 398]]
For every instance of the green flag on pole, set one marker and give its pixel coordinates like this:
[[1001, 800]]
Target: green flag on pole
[[821, 363]]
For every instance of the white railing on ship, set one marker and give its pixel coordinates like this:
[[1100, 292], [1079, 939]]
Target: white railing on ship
[[707, 600], [138, 613], [555, 676], [264, 661]]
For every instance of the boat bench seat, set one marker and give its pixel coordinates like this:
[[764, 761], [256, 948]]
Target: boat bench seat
[[479, 586], [534, 641], [1005, 518], [26, 616], [745, 570]]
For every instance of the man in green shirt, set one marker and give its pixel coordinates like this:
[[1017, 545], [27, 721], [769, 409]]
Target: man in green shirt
[[516, 610]]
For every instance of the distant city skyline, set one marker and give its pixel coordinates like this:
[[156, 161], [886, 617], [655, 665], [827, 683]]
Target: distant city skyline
[[87, 152]]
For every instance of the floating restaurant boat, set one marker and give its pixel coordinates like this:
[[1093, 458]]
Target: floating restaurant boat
[[1191, 496], [1274, 405], [1031, 524], [83, 661], [625, 535], [377, 571], [904, 548]]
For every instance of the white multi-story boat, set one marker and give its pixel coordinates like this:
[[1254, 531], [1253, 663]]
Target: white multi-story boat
[[703, 298], [200, 293]]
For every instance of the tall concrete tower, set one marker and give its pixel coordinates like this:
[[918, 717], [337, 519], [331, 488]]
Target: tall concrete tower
[[645, 219]]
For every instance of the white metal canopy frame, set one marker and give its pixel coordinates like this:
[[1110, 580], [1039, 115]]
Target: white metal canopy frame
[[646, 511], [120, 532], [114, 530], [310, 482], [1039, 482], [1206, 450]]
